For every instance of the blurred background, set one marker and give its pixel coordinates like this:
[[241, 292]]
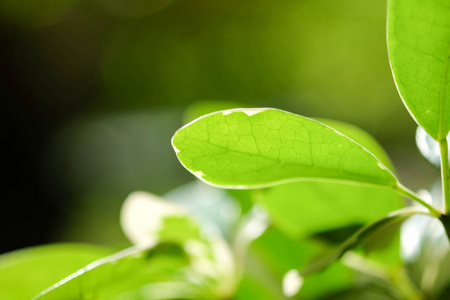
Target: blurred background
[[92, 91]]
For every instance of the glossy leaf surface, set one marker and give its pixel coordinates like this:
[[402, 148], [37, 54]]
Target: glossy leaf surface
[[25, 273], [419, 51], [254, 148]]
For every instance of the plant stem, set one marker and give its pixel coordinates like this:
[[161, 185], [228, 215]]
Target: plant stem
[[402, 190], [443, 145]]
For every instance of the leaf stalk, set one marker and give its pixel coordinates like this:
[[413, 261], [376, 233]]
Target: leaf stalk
[[404, 191]]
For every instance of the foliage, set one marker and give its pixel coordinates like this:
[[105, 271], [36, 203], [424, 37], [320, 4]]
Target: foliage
[[309, 208]]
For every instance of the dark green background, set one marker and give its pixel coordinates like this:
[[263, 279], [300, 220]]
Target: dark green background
[[92, 91]]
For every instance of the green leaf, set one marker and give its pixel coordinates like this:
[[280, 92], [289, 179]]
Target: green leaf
[[359, 237], [273, 254], [419, 51], [261, 147], [361, 137], [120, 272], [171, 247], [308, 207], [25, 273]]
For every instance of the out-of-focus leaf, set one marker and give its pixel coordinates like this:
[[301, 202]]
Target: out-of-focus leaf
[[425, 248], [214, 208], [304, 208], [148, 219], [273, 254], [262, 147], [143, 216], [359, 237], [418, 43], [120, 272], [25, 273]]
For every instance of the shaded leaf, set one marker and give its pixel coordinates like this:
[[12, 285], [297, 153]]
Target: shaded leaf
[[273, 254], [359, 237], [304, 208]]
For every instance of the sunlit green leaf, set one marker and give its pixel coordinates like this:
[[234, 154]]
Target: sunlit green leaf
[[25, 273], [261, 147], [362, 138], [308, 207], [419, 51], [120, 272]]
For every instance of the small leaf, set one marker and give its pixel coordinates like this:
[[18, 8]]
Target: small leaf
[[359, 237], [253, 148], [25, 273], [419, 52]]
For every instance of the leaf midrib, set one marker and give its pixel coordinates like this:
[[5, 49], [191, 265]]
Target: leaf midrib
[[309, 166]]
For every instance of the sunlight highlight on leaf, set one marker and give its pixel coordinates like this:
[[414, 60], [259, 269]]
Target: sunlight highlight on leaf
[[260, 147]]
